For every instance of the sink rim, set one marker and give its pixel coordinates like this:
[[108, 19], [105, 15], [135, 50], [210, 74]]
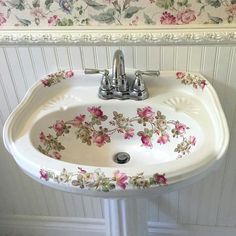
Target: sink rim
[[172, 177]]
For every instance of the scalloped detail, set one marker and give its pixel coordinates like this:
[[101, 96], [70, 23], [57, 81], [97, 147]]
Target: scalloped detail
[[61, 102], [183, 105], [139, 36]]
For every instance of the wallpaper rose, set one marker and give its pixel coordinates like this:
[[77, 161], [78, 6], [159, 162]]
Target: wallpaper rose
[[51, 13]]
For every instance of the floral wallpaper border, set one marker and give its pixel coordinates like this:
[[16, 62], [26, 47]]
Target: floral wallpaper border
[[132, 13]]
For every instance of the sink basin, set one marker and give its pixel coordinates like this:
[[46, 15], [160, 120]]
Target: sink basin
[[64, 136]]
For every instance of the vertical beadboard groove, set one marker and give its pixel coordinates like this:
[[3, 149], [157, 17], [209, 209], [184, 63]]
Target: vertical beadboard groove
[[11, 74], [22, 69]]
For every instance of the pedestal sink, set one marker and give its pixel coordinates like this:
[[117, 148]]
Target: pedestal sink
[[64, 136]]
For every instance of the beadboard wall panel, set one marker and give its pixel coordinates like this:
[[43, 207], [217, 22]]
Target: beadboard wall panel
[[208, 202]]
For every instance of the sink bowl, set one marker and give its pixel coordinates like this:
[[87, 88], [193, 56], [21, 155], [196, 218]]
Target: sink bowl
[[64, 136]]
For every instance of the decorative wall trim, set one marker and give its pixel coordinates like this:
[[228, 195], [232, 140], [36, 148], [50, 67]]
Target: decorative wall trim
[[120, 36], [15, 225]]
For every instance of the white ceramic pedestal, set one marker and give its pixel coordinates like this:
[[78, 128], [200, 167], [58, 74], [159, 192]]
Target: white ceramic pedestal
[[125, 217]]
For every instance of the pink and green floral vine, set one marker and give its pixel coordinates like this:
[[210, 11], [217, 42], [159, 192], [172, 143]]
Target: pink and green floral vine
[[56, 78], [97, 180], [157, 130], [190, 79]]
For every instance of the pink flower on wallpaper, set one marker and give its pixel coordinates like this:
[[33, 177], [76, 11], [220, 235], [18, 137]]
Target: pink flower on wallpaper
[[163, 139], [101, 139], [129, 133], [69, 74], [121, 179], [44, 174], [186, 16], [2, 19], [180, 75], [146, 140], [168, 19], [37, 12], [231, 9], [59, 127], [203, 84], [146, 113], [78, 120], [96, 111], [180, 128], [52, 21], [192, 140], [160, 179]]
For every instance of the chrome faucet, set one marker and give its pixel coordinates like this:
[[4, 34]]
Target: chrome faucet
[[120, 86]]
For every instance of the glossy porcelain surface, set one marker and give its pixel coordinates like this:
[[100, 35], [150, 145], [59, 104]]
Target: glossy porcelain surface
[[64, 136]]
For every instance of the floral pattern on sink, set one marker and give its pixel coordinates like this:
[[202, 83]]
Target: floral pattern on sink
[[97, 180], [56, 78], [90, 129], [190, 79]]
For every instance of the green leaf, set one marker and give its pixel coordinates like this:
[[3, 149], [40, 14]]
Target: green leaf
[[117, 6], [214, 3], [148, 20], [48, 4], [215, 19], [166, 4], [106, 17], [17, 4], [23, 21], [129, 12], [36, 3], [95, 5], [233, 1]]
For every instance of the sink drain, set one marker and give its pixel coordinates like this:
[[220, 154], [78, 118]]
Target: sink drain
[[121, 157]]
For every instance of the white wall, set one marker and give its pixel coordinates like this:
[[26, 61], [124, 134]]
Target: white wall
[[210, 202]]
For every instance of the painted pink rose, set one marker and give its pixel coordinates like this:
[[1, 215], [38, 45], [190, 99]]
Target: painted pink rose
[[53, 20], [180, 128], [163, 139], [180, 75], [2, 19], [186, 16], [129, 133], [146, 113], [203, 84], [121, 179], [59, 127], [160, 179], [37, 12], [192, 140], [96, 111], [146, 140], [44, 174], [45, 82], [57, 155], [167, 19], [101, 139], [69, 74], [42, 138], [78, 120]]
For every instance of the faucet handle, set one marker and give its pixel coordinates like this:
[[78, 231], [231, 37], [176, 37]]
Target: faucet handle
[[96, 71], [147, 72]]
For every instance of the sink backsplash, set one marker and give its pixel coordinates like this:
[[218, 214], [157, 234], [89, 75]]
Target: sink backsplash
[[54, 13]]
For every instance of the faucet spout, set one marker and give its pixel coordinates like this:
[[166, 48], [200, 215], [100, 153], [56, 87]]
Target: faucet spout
[[118, 67]]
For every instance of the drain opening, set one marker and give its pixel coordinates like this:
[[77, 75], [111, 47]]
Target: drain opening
[[121, 157]]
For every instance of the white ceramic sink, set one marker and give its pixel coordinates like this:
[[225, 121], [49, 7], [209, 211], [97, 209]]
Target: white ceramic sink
[[64, 136]]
